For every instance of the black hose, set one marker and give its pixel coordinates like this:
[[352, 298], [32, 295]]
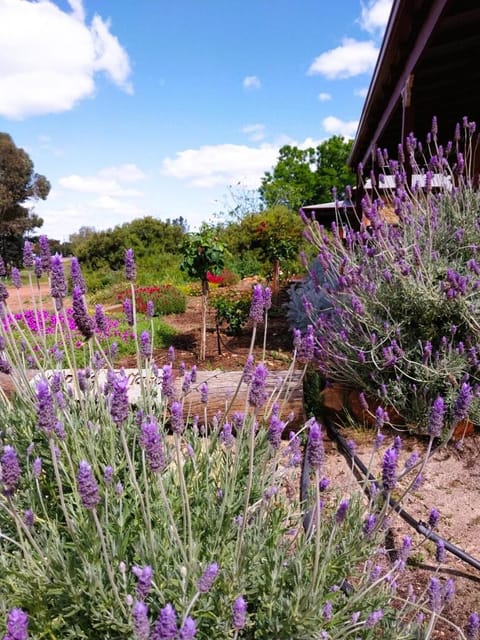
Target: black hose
[[419, 526]]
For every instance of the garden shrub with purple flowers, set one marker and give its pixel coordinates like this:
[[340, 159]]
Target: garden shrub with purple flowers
[[400, 302], [122, 521]]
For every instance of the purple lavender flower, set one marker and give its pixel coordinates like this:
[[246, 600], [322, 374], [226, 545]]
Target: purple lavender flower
[[150, 308], [29, 518], [38, 268], [167, 382], [28, 257], [204, 392], [130, 268], [315, 449], [437, 413], [10, 468], [17, 625], [16, 279], [389, 469], [342, 510], [327, 611], [239, 613], [83, 321], [144, 580], [193, 373], [46, 418], [151, 441], [275, 430], [248, 370], [369, 524], [323, 484], [87, 486], [373, 618], [226, 435], [307, 347], [3, 293], [433, 518], [435, 595], [141, 623], [188, 630], [412, 460], [176, 417], [77, 276], [166, 626], [171, 354], [258, 304], [472, 629], [258, 393], [206, 580], [58, 284], [37, 467], [267, 298], [45, 255], [108, 475], [462, 403], [440, 551], [145, 344], [187, 383], [119, 400], [100, 319], [128, 311]]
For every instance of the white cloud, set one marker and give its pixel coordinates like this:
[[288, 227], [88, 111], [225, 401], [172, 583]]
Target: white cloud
[[361, 93], [324, 97], [212, 165], [251, 82], [123, 173], [335, 126], [375, 14], [49, 58], [351, 59], [255, 132], [106, 183]]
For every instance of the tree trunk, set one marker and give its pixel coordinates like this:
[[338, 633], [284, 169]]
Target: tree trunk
[[203, 339]]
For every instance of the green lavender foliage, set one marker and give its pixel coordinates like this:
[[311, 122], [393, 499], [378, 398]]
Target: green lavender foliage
[[400, 320], [236, 505]]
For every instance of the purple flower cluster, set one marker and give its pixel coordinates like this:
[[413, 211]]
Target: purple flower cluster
[[206, 580], [258, 393], [17, 625], [10, 470], [315, 448], [87, 486], [151, 442]]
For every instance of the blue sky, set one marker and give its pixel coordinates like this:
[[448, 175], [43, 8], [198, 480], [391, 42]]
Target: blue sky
[[158, 107]]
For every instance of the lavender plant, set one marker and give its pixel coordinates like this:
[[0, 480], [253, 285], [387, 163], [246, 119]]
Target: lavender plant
[[400, 297], [122, 521]]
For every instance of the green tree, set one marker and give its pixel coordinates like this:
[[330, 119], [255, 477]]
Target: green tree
[[202, 253], [307, 176], [19, 184], [277, 234]]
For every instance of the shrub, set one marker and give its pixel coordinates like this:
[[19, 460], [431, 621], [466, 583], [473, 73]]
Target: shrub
[[165, 297], [233, 309], [122, 521], [403, 299]]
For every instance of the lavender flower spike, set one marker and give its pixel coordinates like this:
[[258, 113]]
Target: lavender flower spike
[[176, 417], [141, 623], [46, 418], [58, 284], [77, 276], [144, 580], [87, 486], [239, 613], [10, 470], [83, 321], [145, 344], [389, 469], [472, 630], [188, 630], [28, 257], [130, 268], [45, 255], [315, 449], [16, 278], [258, 304], [206, 580], [437, 413], [151, 441], [17, 625], [166, 626], [258, 393], [119, 400]]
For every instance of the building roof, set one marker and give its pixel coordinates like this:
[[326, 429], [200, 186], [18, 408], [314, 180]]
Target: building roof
[[432, 47]]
